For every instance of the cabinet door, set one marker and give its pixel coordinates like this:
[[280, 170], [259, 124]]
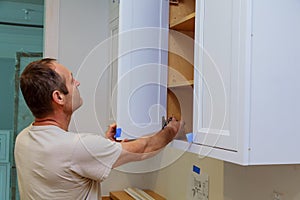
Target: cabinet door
[[4, 145], [113, 70], [141, 96], [217, 64], [4, 181], [114, 9]]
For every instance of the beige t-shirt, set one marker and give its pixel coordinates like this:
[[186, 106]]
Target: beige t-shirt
[[55, 164]]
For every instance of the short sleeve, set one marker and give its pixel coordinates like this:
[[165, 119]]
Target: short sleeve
[[94, 155]]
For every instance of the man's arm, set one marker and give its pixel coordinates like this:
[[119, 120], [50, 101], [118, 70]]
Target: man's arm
[[146, 147]]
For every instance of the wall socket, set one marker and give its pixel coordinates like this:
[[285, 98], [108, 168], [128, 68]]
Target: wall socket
[[198, 186], [277, 196]]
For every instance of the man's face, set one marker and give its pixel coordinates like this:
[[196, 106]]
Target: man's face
[[73, 101]]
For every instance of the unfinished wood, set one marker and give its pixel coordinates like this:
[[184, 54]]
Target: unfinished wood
[[181, 84], [173, 105], [106, 198], [180, 11], [180, 58], [191, 34], [181, 62], [180, 105], [122, 195], [186, 23], [180, 70]]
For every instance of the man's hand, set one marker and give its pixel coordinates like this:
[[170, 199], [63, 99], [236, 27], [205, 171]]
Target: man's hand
[[111, 132], [178, 127], [174, 124]]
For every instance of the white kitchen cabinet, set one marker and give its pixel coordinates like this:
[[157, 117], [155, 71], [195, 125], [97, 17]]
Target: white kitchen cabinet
[[138, 58], [246, 87]]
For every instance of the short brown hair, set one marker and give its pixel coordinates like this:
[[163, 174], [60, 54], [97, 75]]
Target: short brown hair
[[38, 81]]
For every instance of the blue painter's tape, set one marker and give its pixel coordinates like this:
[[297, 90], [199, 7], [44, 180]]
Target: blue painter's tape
[[196, 169], [118, 132], [189, 137]]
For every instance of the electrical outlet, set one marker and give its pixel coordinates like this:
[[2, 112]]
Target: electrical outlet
[[277, 196], [198, 187]]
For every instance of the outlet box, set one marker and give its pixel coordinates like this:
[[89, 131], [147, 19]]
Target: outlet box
[[198, 186]]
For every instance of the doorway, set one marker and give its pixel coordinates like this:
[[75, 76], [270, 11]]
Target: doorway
[[21, 36]]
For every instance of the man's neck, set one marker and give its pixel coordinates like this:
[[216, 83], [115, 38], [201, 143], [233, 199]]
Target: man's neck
[[60, 121]]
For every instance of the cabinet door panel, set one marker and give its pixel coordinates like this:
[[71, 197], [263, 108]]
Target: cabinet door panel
[[141, 96], [216, 76], [4, 145], [4, 181]]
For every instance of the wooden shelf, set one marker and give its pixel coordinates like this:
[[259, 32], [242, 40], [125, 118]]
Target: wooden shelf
[[186, 23], [181, 84], [121, 195]]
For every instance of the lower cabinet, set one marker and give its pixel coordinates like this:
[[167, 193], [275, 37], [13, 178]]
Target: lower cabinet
[[4, 164], [4, 181]]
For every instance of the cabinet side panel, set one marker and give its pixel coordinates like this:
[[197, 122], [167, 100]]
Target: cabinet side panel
[[275, 90]]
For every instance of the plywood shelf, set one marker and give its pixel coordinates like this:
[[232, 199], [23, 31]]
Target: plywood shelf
[[122, 195], [181, 84], [186, 23]]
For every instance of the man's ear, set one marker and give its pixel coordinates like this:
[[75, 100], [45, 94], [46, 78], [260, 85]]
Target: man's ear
[[58, 97]]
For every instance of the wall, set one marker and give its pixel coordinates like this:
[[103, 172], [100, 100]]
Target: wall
[[173, 180], [79, 36], [259, 182]]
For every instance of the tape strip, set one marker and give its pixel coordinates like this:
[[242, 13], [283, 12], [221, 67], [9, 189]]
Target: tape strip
[[118, 132], [196, 169]]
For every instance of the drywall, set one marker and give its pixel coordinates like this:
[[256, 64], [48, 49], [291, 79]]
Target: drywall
[[171, 181], [260, 182]]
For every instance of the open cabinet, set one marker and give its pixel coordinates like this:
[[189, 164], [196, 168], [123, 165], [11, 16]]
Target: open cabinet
[[181, 62], [246, 107], [231, 78]]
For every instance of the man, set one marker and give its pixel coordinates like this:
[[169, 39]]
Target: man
[[53, 163]]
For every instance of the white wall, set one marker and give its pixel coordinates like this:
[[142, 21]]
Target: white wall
[[259, 182], [173, 180], [82, 26]]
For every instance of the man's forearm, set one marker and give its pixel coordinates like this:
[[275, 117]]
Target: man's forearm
[[160, 139]]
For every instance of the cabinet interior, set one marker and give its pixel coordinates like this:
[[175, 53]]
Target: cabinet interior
[[181, 62]]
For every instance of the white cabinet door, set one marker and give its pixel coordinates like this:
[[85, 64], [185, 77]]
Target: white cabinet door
[[142, 59], [216, 74]]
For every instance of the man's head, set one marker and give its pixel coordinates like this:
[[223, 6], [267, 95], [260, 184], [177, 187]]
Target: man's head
[[47, 85]]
